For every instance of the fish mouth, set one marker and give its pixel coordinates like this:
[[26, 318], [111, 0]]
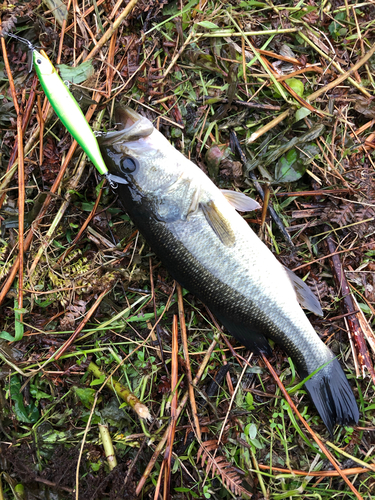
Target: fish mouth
[[131, 127]]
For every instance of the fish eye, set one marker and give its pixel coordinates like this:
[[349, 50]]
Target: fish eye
[[128, 165]]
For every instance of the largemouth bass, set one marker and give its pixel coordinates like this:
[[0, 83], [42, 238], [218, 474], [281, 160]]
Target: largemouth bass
[[210, 250]]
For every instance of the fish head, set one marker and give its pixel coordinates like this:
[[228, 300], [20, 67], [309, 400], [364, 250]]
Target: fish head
[[145, 170], [138, 153]]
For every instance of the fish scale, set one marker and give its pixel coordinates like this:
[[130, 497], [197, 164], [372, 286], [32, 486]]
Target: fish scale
[[211, 251]]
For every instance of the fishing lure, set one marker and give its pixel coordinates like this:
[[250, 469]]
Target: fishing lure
[[67, 109]]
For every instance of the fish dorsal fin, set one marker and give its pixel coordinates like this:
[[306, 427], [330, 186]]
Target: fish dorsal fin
[[219, 224], [305, 295], [240, 201]]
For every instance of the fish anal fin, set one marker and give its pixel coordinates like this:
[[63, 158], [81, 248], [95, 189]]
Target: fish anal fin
[[305, 295], [240, 201], [219, 224]]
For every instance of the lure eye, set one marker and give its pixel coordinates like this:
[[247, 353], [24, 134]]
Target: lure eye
[[128, 165], [39, 61]]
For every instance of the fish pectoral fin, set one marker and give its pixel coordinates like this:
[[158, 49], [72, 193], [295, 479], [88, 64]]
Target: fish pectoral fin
[[240, 201], [219, 224], [305, 295], [194, 205]]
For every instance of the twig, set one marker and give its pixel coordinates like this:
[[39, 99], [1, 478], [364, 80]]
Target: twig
[[181, 315], [294, 94], [45, 205], [246, 104], [366, 328], [222, 33], [313, 434], [107, 35], [21, 178], [108, 446], [355, 459], [173, 422], [354, 326], [238, 385], [324, 473], [181, 406], [258, 187], [319, 192], [345, 75], [80, 327], [127, 396], [175, 58], [269, 126], [330, 255]]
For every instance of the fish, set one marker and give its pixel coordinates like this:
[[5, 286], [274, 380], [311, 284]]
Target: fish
[[207, 247]]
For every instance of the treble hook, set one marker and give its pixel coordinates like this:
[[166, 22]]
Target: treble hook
[[20, 39]]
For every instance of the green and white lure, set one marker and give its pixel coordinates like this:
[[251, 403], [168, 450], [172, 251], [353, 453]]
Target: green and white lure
[[67, 109]]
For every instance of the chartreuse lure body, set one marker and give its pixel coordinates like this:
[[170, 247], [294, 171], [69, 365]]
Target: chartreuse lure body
[[67, 109]]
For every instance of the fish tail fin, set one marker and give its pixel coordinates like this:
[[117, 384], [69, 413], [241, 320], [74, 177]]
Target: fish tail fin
[[333, 397]]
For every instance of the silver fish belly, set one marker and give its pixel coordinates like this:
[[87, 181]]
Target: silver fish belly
[[209, 248]]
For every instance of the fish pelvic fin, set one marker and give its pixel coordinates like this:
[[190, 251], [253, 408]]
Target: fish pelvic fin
[[250, 338], [240, 201], [333, 397], [219, 224]]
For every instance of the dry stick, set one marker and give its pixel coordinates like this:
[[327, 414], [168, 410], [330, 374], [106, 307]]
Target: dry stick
[[314, 436], [181, 406], [325, 473], [266, 201], [330, 255], [320, 192], [82, 229], [85, 14], [107, 35], [353, 322], [258, 187], [80, 327], [369, 334], [156, 334], [173, 422], [21, 212], [21, 178], [255, 135], [110, 60], [56, 221], [345, 75], [355, 459], [175, 58], [130, 399], [6, 179], [26, 117], [185, 347], [94, 368], [44, 208], [294, 94], [108, 446], [48, 238]]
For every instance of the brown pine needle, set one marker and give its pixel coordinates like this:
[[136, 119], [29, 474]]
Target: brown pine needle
[[88, 315], [181, 406], [325, 473], [324, 449], [187, 361]]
